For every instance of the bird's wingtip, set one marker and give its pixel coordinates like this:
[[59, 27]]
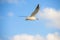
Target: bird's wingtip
[[38, 4]]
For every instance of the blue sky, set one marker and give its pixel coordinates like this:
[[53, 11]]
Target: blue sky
[[12, 24]]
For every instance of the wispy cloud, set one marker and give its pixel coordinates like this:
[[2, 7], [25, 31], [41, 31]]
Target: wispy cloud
[[13, 1], [53, 15], [10, 1], [50, 36], [10, 14], [0, 39]]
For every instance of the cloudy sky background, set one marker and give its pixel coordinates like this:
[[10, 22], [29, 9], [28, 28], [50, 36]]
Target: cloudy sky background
[[14, 27]]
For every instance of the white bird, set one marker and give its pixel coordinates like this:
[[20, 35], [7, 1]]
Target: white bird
[[32, 17]]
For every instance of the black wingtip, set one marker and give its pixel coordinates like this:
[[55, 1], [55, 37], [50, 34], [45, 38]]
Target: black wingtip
[[38, 6]]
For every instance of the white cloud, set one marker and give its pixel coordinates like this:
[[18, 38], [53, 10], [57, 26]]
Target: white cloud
[[50, 36], [54, 36], [26, 37], [53, 15], [10, 14]]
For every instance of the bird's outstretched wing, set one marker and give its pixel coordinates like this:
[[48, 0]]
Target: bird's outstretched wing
[[35, 11]]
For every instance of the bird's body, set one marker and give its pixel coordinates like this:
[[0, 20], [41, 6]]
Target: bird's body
[[31, 18]]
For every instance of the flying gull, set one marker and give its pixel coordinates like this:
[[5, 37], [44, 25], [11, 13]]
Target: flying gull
[[32, 16]]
